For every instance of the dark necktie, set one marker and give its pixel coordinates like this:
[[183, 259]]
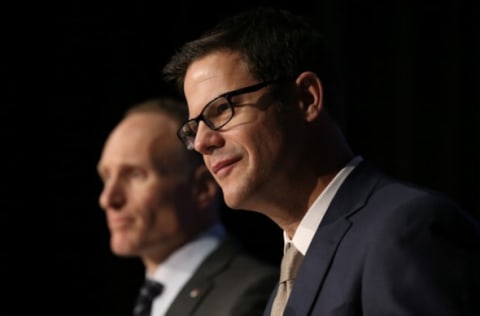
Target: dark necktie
[[148, 292], [288, 270]]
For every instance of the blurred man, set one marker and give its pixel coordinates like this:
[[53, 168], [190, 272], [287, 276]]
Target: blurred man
[[161, 205]]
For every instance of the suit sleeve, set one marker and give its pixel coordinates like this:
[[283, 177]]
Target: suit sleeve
[[426, 264]]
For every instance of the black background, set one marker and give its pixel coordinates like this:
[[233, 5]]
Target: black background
[[412, 77]]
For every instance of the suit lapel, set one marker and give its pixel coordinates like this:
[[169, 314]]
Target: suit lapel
[[314, 267], [201, 283], [351, 196]]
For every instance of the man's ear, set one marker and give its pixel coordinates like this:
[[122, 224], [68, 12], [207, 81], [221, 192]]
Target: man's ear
[[311, 94], [205, 188]]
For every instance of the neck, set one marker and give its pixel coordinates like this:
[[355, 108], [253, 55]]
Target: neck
[[319, 160]]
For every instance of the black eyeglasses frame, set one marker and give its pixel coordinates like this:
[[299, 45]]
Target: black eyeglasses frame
[[187, 139]]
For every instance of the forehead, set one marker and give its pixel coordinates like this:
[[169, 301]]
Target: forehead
[[140, 136], [213, 75]]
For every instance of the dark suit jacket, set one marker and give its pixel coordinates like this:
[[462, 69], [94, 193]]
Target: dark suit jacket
[[229, 282], [387, 248]]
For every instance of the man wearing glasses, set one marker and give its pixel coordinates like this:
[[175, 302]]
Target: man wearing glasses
[[368, 244]]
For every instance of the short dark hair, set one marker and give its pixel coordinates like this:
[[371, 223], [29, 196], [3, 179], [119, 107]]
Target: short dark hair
[[275, 44]]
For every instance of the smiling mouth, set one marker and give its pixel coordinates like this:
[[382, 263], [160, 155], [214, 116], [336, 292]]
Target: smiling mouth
[[223, 166]]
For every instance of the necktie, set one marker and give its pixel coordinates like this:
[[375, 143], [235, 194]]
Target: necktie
[[288, 270], [148, 292]]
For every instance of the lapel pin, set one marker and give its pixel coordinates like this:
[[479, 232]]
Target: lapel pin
[[194, 293]]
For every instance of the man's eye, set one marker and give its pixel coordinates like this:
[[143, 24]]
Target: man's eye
[[188, 133], [222, 108], [136, 174]]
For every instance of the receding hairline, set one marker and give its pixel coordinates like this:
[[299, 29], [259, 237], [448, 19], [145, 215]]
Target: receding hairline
[[170, 106]]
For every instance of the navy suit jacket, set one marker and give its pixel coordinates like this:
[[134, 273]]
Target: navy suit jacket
[[389, 248]]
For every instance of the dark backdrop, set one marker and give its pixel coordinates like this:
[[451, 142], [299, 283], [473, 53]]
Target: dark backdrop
[[412, 78]]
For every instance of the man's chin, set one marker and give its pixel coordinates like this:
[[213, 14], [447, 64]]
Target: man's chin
[[233, 199], [123, 247]]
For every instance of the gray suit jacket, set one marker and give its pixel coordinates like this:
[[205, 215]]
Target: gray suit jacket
[[229, 282]]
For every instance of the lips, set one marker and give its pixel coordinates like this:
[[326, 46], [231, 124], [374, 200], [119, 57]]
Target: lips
[[119, 222], [223, 166]]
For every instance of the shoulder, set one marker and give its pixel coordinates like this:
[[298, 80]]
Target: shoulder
[[240, 256], [240, 283]]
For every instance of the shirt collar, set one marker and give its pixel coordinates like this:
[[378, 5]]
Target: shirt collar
[[312, 219]]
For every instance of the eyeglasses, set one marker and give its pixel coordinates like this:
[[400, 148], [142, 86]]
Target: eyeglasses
[[216, 114]]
